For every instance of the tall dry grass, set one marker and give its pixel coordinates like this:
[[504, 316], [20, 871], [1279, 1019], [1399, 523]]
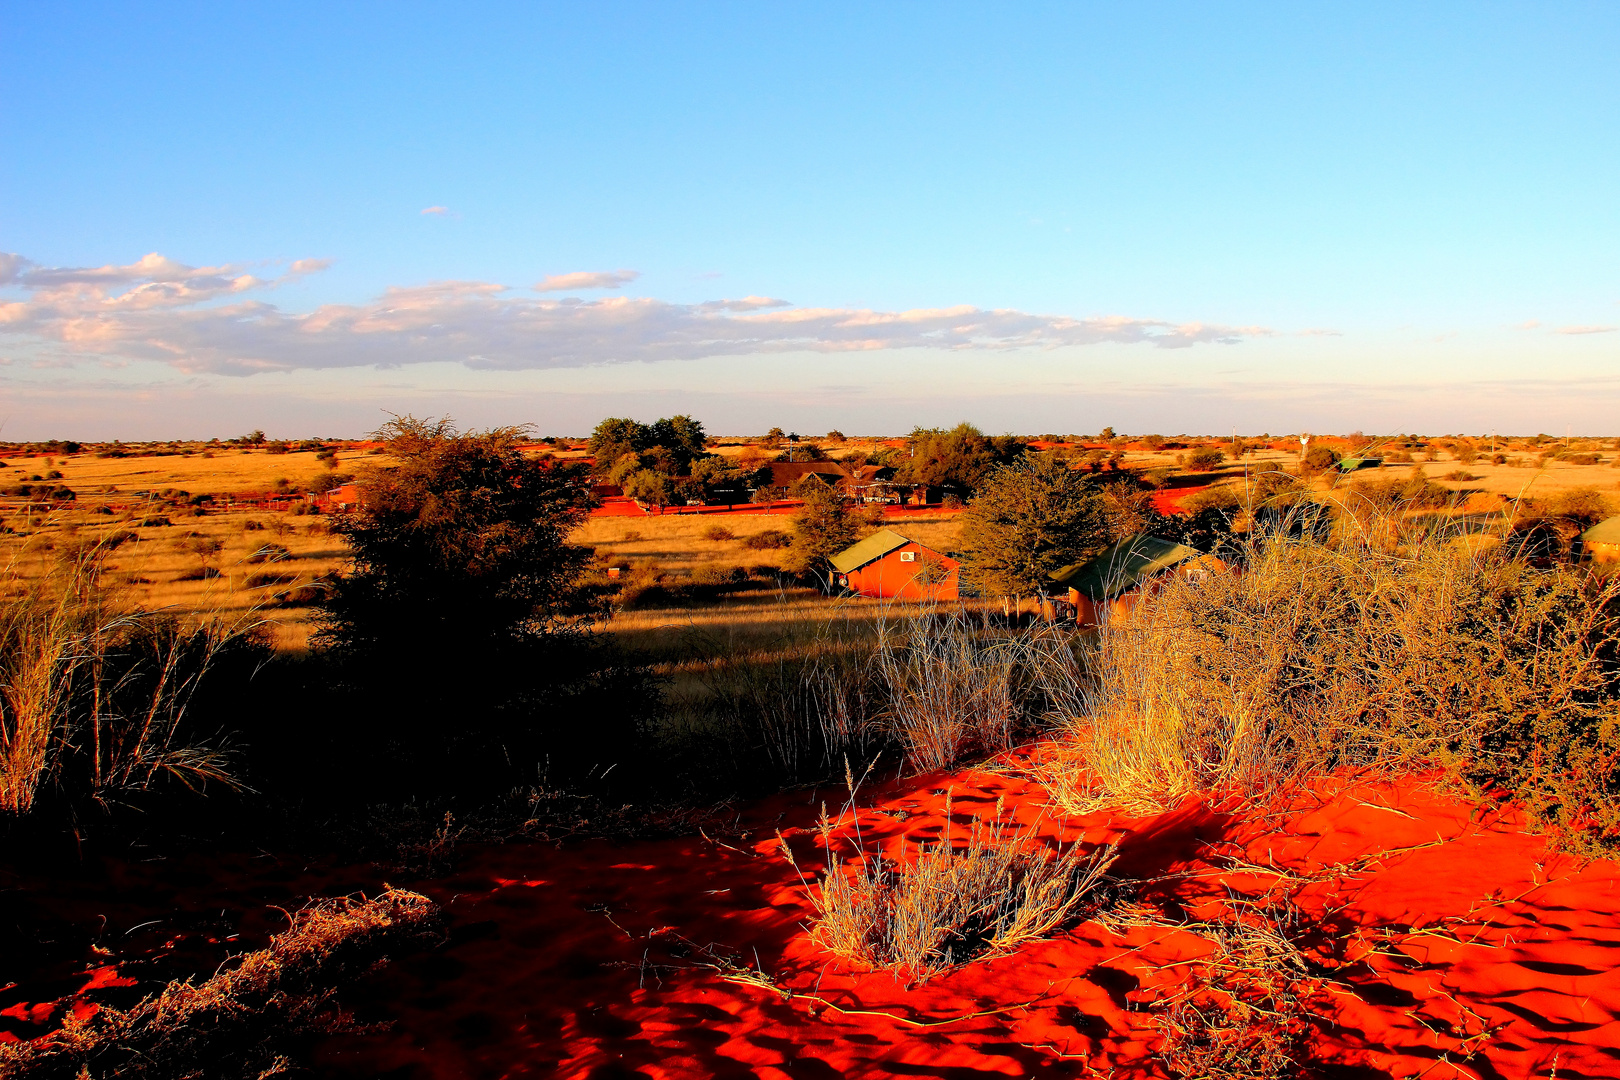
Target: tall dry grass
[[1368, 647], [805, 700], [937, 684], [94, 695], [952, 682], [240, 1022]]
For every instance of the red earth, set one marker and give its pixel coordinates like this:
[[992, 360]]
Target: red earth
[[1446, 941]]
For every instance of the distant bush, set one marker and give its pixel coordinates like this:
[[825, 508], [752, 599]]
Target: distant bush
[[718, 533], [1320, 459], [768, 540], [1223, 497], [1202, 460], [201, 573], [154, 523], [1459, 476]]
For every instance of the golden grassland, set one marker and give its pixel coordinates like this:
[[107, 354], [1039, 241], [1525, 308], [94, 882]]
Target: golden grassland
[[227, 470], [680, 542], [161, 565], [161, 568]]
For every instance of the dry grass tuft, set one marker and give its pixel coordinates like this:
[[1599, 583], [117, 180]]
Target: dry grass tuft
[[944, 906], [238, 1023], [1244, 1014]]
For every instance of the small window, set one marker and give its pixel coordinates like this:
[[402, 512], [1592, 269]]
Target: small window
[[908, 556]]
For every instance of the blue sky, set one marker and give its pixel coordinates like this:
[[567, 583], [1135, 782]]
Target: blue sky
[[1039, 217]]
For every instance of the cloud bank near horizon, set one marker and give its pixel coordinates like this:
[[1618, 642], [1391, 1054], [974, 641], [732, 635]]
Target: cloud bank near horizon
[[199, 320]]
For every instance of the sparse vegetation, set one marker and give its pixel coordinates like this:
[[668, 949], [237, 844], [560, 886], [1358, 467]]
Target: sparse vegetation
[[1409, 651], [243, 1021], [94, 698], [936, 906], [1391, 625]]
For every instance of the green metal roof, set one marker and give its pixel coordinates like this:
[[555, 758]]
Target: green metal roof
[[874, 547], [1604, 532], [1351, 464], [1122, 566]]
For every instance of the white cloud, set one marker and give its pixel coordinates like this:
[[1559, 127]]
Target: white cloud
[[1586, 329], [587, 279], [196, 320], [436, 211]]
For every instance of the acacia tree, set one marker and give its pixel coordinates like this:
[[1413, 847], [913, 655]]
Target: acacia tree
[[461, 543], [959, 458], [821, 529], [1030, 518], [458, 642], [674, 443]]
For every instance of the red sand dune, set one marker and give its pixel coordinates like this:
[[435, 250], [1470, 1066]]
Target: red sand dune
[[1168, 500], [587, 959]]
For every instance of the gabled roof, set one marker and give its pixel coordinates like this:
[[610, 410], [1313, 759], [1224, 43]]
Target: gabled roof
[[1120, 567], [1604, 532], [871, 549], [788, 473]]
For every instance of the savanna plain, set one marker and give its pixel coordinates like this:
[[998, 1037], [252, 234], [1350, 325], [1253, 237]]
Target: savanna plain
[[457, 753]]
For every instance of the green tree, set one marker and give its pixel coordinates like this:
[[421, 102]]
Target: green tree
[[461, 543], [1030, 518], [821, 529], [651, 487], [959, 458], [457, 655], [673, 442], [614, 438], [683, 437]]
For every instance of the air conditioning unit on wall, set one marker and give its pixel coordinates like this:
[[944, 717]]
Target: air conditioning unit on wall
[[908, 556]]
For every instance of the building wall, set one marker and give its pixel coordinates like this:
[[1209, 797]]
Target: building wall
[[889, 577]]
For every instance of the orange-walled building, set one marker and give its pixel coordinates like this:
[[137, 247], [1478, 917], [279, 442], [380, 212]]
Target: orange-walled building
[[887, 565]]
